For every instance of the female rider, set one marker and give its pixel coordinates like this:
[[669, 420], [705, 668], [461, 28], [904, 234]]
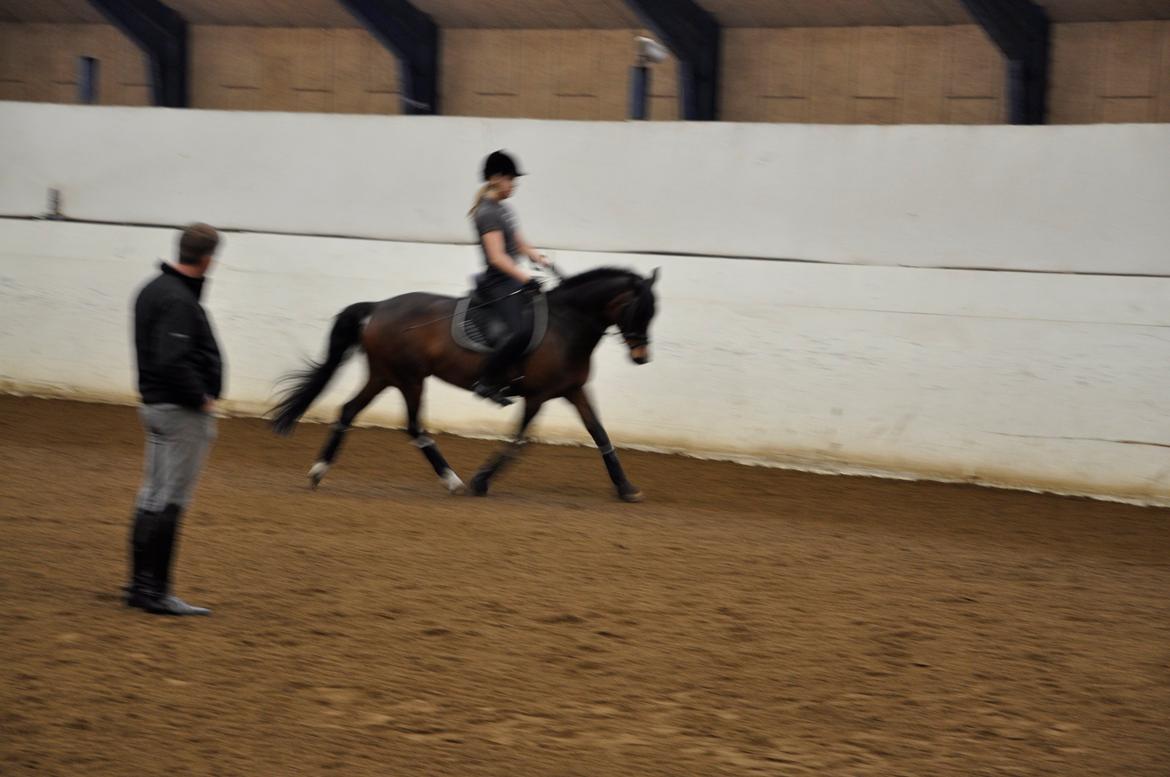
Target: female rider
[[506, 285]]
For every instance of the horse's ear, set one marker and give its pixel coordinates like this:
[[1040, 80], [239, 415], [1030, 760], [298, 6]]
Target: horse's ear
[[653, 278]]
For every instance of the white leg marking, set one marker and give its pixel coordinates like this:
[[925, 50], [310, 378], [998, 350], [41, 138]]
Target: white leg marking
[[453, 483], [318, 472]]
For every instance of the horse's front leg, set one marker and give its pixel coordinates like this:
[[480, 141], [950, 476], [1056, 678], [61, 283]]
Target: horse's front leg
[[482, 480], [626, 490], [412, 392]]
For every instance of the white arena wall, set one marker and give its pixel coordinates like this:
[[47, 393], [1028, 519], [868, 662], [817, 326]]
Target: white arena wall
[[876, 352]]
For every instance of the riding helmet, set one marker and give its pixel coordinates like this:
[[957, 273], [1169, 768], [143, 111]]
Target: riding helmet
[[500, 163]]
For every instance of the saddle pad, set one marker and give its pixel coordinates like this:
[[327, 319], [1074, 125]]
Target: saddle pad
[[470, 328]]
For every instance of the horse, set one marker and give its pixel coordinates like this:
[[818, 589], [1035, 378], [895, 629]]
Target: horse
[[409, 338]]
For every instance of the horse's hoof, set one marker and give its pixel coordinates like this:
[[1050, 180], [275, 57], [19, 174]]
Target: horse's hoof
[[633, 496], [317, 474], [479, 487], [455, 486]]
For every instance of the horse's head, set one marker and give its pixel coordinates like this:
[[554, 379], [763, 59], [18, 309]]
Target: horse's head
[[614, 297], [632, 312]]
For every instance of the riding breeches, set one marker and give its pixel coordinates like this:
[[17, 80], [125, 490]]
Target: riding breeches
[[177, 441]]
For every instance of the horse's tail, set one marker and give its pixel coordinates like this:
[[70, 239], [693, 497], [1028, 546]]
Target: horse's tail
[[306, 385]]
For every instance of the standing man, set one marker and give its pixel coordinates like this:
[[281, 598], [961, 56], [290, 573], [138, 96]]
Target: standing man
[[180, 376]]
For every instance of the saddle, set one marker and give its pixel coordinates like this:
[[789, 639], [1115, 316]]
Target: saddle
[[476, 326]]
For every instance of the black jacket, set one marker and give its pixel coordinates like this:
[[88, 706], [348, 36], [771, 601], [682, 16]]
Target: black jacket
[[178, 358]]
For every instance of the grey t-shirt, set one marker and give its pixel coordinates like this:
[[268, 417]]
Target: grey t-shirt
[[492, 216]]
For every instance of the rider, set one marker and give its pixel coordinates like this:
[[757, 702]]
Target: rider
[[506, 285]]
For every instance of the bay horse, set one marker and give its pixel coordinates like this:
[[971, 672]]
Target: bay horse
[[408, 338]]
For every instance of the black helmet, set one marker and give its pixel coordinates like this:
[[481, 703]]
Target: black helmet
[[500, 163]]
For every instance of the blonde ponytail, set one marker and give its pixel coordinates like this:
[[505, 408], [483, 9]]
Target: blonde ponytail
[[480, 196]]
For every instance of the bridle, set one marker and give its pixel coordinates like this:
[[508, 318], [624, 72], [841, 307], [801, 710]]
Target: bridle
[[625, 326]]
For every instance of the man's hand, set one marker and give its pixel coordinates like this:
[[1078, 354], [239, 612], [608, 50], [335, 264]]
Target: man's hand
[[208, 406], [540, 259]]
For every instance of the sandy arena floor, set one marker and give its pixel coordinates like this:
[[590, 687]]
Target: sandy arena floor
[[742, 621]]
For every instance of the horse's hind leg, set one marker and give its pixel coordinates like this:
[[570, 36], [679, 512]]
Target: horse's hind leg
[[349, 412], [412, 393], [506, 455]]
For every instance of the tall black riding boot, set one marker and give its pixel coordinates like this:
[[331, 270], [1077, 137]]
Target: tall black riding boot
[[141, 585], [494, 384], [493, 389], [161, 558]]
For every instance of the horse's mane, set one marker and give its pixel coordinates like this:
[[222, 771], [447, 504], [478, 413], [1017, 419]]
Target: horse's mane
[[599, 274], [594, 288]]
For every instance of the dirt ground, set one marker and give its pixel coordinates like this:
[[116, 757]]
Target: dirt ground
[[741, 621]]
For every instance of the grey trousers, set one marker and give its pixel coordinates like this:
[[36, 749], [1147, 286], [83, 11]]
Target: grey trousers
[[177, 441]]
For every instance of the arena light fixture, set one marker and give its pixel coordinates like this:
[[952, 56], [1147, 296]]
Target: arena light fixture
[[649, 52]]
